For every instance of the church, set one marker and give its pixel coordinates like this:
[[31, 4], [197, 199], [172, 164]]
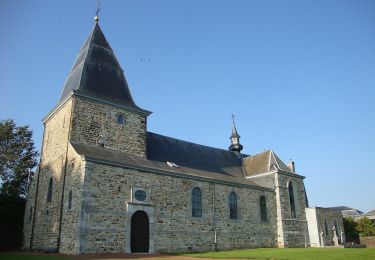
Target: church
[[106, 185]]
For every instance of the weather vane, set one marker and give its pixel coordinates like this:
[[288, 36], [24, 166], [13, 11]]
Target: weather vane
[[97, 11]]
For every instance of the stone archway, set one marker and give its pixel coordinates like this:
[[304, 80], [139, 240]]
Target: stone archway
[[140, 232]]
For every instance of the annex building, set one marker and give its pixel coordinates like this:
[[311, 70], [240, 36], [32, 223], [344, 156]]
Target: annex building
[[107, 185]]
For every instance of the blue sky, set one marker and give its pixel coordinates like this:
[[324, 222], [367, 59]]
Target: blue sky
[[298, 75]]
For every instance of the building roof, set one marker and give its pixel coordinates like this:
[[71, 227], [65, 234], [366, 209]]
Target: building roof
[[156, 164], [162, 148], [263, 162], [97, 73], [348, 212], [370, 213]]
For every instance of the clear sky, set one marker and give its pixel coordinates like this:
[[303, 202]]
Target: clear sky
[[298, 75]]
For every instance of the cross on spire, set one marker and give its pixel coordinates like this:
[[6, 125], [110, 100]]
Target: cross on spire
[[97, 11]]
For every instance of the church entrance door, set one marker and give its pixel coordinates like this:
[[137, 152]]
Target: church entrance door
[[139, 233]]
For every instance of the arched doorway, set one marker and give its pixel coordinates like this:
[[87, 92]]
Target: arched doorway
[[139, 233]]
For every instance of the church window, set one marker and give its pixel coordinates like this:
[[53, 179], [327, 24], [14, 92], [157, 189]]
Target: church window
[[325, 227], [336, 227], [263, 208], [196, 202], [233, 214], [292, 201], [120, 119], [30, 214], [70, 198], [50, 187]]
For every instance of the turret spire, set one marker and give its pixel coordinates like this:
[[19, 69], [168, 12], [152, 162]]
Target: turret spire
[[235, 138]]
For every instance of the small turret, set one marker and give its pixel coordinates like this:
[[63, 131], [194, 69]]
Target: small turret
[[235, 139]]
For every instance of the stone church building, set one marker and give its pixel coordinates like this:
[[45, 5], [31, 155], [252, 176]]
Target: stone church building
[[107, 185]]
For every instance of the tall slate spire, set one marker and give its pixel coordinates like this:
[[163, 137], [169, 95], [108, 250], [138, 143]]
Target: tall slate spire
[[235, 139], [96, 73]]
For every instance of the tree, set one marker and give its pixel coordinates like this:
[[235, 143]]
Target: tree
[[351, 232], [365, 227], [17, 158]]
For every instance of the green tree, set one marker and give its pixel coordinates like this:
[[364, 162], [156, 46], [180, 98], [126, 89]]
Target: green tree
[[365, 227], [17, 158], [351, 232]]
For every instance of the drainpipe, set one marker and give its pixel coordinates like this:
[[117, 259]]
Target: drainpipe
[[214, 215], [36, 194], [35, 204]]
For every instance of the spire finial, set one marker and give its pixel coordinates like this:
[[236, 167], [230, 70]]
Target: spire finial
[[234, 129], [97, 11]]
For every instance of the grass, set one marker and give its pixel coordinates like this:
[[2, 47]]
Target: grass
[[260, 253], [293, 254]]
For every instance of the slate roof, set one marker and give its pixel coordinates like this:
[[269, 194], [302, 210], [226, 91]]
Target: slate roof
[[348, 212], [162, 148], [263, 162], [97, 73], [370, 213], [189, 167]]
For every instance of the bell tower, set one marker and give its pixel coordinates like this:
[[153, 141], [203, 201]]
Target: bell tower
[[104, 112], [235, 139]]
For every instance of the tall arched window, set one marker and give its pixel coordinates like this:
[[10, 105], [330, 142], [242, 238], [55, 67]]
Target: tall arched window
[[336, 227], [70, 197], [50, 187], [263, 208], [292, 201], [30, 213], [196, 202], [325, 227], [233, 214]]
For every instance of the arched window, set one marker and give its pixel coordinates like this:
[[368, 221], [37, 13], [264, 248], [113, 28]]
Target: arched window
[[336, 228], [70, 197], [292, 201], [30, 214], [263, 208], [50, 187], [233, 214], [120, 119], [325, 227], [196, 202]]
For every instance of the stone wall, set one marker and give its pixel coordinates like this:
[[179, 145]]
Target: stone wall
[[292, 232], [52, 165], [70, 230], [312, 223], [108, 206], [331, 216], [96, 123], [29, 213], [368, 241]]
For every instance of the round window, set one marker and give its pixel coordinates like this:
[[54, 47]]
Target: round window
[[140, 195]]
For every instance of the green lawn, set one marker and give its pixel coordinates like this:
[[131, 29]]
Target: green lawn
[[260, 253], [293, 253]]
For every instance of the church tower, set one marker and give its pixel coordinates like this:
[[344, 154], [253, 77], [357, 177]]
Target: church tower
[[104, 111], [95, 109]]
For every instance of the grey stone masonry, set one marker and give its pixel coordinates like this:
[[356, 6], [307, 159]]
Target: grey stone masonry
[[107, 207], [95, 123], [324, 224]]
